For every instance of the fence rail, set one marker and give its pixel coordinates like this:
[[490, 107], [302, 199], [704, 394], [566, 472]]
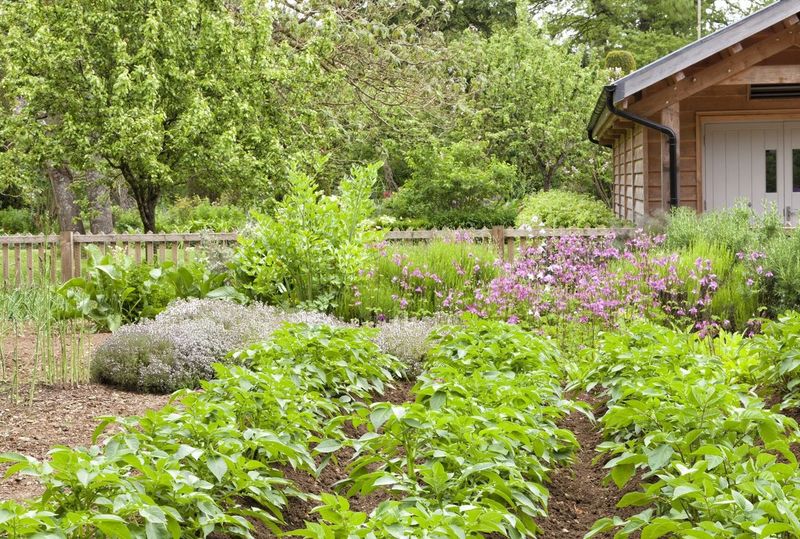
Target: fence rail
[[508, 240], [28, 258]]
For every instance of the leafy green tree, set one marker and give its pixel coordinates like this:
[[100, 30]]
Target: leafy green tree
[[649, 29], [157, 92], [529, 99], [455, 16], [386, 62], [454, 186]]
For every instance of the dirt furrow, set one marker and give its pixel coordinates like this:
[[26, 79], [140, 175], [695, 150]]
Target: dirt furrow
[[578, 496]]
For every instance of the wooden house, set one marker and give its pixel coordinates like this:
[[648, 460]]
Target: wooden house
[[712, 123]]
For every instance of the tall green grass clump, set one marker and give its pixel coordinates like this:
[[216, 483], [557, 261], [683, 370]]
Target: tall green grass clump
[[420, 280], [783, 261], [757, 266], [739, 229], [29, 316]]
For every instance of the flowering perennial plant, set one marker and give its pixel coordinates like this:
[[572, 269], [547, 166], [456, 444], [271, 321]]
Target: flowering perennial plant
[[596, 280], [177, 348]]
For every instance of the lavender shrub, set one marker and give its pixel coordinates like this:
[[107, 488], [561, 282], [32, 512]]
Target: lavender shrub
[[407, 338], [178, 347]]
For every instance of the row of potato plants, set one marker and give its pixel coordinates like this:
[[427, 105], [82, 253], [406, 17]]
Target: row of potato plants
[[687, 418], [212, 460], [471, 454]]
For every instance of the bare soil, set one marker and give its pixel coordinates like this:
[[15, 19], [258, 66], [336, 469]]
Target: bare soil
[[57, 415], [578, 496]]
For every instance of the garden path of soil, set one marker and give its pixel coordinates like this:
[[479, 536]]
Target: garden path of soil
[[58, 416], [578, 497]]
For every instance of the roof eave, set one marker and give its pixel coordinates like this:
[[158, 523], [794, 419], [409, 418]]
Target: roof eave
[[690, 55], [597, 113], [703, 48]]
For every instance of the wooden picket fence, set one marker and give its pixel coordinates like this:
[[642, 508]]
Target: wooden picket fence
[[508, 240], [29, 259]]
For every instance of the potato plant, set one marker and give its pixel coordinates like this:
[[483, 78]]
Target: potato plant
[[210, 462], [472, 455], [683, 413], [340, 361]]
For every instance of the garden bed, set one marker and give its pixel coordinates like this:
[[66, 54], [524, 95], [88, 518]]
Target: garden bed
[[60, 416], [57, 415], [578, 497]]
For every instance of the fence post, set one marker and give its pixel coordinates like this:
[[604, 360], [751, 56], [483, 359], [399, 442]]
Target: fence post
[[499, 238], [66, 246]]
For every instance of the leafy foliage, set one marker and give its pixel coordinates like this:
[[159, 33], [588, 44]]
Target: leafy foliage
[[530, 99], [738, 229], [191, 214], [713, 458], [115, 290], [621, 61], [564, 209], [16, 221], [209, 464], [154, 85], [345, 361], [457, 186], [471, 455], [314, 245], [779, 348], [649, 30], [782, 260]]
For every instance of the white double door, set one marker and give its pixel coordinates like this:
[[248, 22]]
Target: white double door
[[758, 162]]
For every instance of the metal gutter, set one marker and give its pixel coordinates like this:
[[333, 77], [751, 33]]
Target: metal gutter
[[598, 110]]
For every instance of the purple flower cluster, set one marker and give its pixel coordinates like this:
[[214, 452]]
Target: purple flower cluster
[[596, 280]]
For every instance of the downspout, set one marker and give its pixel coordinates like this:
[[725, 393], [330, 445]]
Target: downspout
[[595, 141], [672, 139]]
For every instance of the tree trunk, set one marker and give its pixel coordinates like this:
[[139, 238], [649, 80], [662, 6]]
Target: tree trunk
[[102, 220], [61, 180], [147, 212], [388, 175], [145, 194]]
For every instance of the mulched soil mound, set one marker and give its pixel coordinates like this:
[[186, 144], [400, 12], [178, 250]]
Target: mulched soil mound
[[578, 497]]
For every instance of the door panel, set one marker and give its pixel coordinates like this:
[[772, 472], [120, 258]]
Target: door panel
[[791, 185], [744, 161]]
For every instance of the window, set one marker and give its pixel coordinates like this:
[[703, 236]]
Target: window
[[772, 171], [796, 171]]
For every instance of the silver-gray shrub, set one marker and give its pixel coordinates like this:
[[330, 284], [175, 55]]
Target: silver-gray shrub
[[407, 338], [178, 347]]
